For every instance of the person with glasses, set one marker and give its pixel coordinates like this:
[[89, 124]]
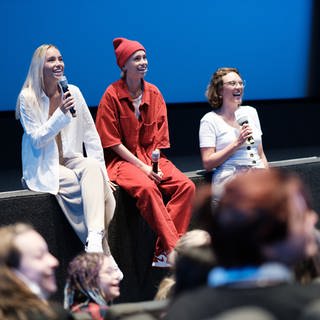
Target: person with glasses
[[228, 145], [92, 284]]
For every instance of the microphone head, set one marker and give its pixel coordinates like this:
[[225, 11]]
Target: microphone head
[[241, 116], [155, 156], [63, 82]]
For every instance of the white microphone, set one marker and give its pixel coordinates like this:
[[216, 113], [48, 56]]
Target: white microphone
[[63, 82], [155, 156], [242, 118]]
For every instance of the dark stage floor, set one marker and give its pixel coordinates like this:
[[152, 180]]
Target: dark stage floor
[[10, 178]]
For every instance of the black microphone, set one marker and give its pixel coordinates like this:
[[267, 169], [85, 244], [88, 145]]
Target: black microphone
[[155, 156], [242, 119], [63, 82]]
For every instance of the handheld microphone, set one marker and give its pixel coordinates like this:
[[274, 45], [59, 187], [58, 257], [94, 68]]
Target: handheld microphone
[[242, 119], [63, 82], [155, 156]]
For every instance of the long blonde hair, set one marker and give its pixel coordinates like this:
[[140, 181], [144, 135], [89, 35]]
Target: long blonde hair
[[34, 84]]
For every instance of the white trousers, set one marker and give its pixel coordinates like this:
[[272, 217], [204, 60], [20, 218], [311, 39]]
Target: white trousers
[[85, 196]]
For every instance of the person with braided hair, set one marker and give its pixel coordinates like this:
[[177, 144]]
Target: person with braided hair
[[92, 283]]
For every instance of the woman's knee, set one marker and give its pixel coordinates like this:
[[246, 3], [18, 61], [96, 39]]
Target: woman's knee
[[188, 186], [91, 163], [147, 190], [92, 167]]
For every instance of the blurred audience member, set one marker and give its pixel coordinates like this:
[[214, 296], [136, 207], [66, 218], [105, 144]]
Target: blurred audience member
[[27, 275], [190, 262], [92, 283], [262, 226], [308, 270]]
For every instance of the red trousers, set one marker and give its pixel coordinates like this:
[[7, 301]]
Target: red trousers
[[170, 221]]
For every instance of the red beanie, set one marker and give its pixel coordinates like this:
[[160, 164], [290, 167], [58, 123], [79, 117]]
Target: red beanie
[[124, 48]]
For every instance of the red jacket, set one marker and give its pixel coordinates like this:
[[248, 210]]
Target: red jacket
[[116, 123]]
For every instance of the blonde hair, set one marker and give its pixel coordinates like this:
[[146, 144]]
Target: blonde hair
[[191, 239], [33, 86], [166, 288], [196, 239]]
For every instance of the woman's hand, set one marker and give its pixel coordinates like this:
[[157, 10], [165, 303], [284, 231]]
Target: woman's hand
[[67, 102], [156, 177], [127, 155], [245, 133]]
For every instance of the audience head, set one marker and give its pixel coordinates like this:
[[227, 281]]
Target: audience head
[[192, 268], [263, 215], [92, 277], [192, 239], [166, 288], [191, 260], [213, 92], [26, 275], [24, 251]]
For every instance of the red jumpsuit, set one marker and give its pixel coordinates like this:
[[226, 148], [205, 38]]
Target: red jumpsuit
[[117, 123]]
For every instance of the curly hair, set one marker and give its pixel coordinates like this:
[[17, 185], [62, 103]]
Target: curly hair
[[213, 89], [83, 280]]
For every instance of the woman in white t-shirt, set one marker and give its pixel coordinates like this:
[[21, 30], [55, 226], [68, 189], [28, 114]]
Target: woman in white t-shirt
[[225, 145]]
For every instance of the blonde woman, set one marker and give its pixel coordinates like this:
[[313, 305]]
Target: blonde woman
[[52, 149]]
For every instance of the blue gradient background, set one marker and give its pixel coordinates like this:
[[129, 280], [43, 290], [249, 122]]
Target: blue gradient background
[[269, 41]]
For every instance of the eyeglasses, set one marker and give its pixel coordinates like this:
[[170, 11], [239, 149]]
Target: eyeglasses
[[233, 84]]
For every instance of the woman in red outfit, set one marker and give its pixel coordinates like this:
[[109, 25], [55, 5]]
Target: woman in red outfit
[[132, 123]]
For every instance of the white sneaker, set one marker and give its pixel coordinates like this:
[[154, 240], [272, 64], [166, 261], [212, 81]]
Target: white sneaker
[[161, 261], [94, 241]]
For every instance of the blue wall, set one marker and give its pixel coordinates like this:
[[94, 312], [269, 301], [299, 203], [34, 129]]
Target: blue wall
[[269, 41]]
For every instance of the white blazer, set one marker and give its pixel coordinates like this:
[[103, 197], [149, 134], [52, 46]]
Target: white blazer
[[40, 155]]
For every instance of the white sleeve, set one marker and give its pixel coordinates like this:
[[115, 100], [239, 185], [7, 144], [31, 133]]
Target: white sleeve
[[41, 132], [255, 118], [207, 133]]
